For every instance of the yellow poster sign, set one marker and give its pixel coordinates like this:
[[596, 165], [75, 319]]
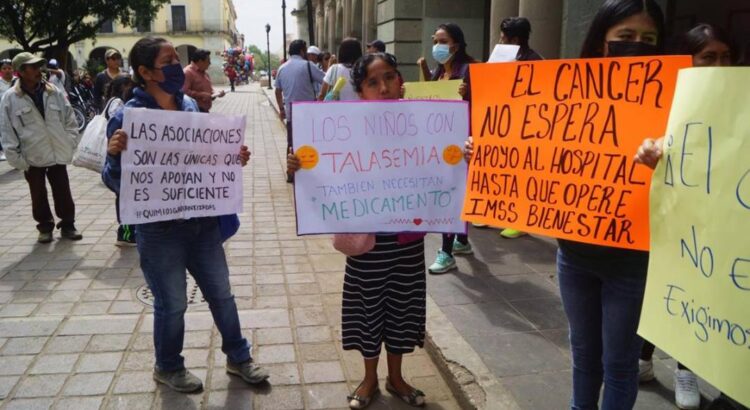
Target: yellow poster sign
[[433, 90], [697, 299]]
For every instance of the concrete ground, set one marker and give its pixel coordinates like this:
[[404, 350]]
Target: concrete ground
[[504, 302], [73, 334]]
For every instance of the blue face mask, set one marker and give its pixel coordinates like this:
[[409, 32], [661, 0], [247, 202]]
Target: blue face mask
[[174, 78], [441, 53]]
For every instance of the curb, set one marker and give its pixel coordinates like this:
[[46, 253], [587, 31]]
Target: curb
[[473, 385], [271, 98]]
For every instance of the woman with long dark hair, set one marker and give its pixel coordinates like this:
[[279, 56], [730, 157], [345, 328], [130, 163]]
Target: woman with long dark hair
[[449, 50], [709, 45], [350, 50], [602, 287], [170, 248]]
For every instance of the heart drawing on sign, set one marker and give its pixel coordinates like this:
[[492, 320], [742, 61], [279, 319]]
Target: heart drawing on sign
[[417, 221]]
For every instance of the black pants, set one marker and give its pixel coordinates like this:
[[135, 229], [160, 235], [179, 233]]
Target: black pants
[[448, 242], [231, 84], [288, 135], [647, 352], [64, 206]]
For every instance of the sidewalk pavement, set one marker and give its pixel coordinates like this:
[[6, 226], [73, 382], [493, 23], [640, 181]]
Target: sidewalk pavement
[[497, 330], [74, 335]]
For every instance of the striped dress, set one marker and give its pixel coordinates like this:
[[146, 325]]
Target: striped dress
[[384, 298]]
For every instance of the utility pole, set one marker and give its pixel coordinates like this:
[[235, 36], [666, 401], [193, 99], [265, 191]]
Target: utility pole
[[283, 25], [268, 51]]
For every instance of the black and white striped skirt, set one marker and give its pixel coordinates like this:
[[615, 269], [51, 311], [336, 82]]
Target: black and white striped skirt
[[384, 298]]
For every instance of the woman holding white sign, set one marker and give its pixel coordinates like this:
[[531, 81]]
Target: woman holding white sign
[[384, 285], [167, 249]]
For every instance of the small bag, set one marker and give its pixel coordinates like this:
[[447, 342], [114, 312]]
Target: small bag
[[354, 244], [92, 150]]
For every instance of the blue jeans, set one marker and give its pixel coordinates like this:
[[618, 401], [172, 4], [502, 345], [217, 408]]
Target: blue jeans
[[603, 304], [169, 248]]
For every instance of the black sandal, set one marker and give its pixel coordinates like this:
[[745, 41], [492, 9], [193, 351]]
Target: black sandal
[[358, 402], [416, 398]]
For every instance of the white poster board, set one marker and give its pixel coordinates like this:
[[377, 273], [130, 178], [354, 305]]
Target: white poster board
[[380, 166], [180, 165], [504, 53]]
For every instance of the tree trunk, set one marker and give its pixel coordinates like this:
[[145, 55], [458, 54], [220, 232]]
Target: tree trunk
[[61, 54]]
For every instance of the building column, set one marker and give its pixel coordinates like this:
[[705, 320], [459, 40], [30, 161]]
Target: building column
[[546, 25], [357, 22], [369, 21], [320, 24], [499, 10], [331, 26], [400, 25], [347, 29]]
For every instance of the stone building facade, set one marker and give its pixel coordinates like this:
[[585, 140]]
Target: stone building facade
[[558, 25]]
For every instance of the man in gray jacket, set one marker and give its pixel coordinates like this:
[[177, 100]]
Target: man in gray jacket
[[40, 134]]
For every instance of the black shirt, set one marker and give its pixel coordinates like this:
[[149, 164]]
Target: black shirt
[[100, 85], [37, 96], [528, 54]]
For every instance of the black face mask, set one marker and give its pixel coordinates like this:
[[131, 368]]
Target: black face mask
[[631, 49]]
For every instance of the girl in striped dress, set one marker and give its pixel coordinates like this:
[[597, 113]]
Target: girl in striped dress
[[384, 289]]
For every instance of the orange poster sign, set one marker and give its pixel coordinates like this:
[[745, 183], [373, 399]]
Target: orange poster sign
[[554, 143]]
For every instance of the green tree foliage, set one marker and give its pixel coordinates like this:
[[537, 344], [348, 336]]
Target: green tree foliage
[[44, 25], [261, 58]]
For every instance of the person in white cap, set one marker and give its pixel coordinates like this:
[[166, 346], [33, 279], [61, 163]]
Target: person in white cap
[[56, 76], [313, 56], [40, 133]]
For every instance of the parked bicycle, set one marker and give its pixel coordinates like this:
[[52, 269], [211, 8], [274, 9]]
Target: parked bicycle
[[81, 101]]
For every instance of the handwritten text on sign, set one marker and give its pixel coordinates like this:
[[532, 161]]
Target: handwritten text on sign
[[698, 290], [554, 142], [180, 165], [385, 166]]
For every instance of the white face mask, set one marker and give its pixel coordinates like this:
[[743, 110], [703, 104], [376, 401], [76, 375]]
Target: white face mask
[[441, 53]]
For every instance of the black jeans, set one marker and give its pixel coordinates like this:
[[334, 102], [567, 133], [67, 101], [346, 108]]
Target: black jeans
[[647, 352], [448, 241], [64, 206], [289, 136]]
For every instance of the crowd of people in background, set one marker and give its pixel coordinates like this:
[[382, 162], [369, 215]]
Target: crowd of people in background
[[601, 287]]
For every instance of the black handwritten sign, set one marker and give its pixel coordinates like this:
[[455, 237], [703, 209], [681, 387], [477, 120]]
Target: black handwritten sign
[[554, 142], [180, 165]]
